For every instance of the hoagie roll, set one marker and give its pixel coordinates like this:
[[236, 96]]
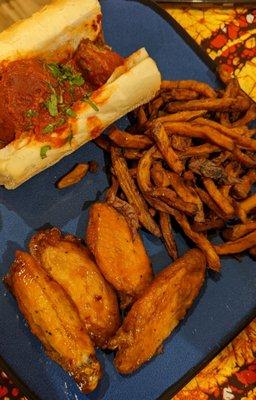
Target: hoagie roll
[[61, 86]]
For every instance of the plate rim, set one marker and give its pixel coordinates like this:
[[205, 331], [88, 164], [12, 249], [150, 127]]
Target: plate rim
[[173, 389]]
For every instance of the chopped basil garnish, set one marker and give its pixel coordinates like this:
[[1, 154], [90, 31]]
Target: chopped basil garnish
[[54, 68], [64, 73], [70, 112], [52, 105], [69, 138], [77, 80], [60, 122], [31, 113], [87, 99], [43, 151], [48, 128]]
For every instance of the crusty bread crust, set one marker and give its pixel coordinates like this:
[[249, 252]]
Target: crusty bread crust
[[130, 85], [54, 30]]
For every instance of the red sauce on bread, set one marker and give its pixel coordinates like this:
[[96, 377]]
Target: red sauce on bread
[[37, 98]]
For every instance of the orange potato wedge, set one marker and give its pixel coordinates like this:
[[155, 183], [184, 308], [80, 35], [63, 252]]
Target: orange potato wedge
[[157, 313], [70, 264], [122, 260], [54, 320]]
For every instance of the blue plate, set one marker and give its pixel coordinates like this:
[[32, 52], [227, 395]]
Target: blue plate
[[227, 299]]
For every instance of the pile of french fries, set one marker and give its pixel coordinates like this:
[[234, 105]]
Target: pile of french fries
[[189, 157]]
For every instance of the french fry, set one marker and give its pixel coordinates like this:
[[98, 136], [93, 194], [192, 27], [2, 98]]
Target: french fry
[[173, 200], [159, 205], [249, 132], [74, 176], [132, 154], [247, 118], [201, 150], [224, 119], [166, 228], [220, 200], [211, 104], [239, 230], [215, 223], [181, 116], [144, 166], [187, 194], [245, 206], [237, 246], [243, 187], [188, 129], [133, 172], [183, 129], [222, 157], [232, 88], [160, 176], [224, 190], [133, 196], [229, 131], [218, 138], [232, 170], [141, 115], [179, 94], [207, 200], [112, 191], [154, 107], [235, 133], [199, 87], [125, 139], [200, 240], [245, 159], [102, 143], [164, 146], [180, 143], [164, 178], [152, 212]]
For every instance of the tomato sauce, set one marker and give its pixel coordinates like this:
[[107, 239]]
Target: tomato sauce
[[37, 98]]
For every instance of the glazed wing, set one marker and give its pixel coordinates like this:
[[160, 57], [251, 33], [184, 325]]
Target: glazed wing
[[54, 320], [122, 260], [70, 264], [155, 315]]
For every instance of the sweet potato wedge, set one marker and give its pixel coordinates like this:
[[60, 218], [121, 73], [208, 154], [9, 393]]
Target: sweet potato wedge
[[54, 320], [122, 260], [157, 313], [70, 264]]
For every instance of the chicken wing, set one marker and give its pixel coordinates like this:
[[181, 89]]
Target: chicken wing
[[155, 315], [70, 264], [122, 260], [54, 320]]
